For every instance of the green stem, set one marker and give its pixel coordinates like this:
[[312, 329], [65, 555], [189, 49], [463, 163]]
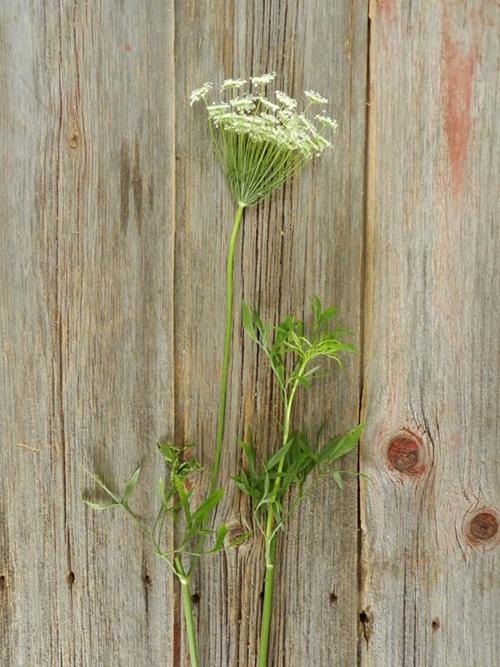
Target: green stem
[[221, 418], [270, 534], [184, 577], [187, 603], [265, 625]]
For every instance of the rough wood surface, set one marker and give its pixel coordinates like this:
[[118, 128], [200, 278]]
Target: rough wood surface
[[430, 591], [307, 240], [114, 228], [86, 324]]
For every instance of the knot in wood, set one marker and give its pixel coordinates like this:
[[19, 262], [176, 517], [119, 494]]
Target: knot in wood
[[483, 526], [236, 534], [405, 454]]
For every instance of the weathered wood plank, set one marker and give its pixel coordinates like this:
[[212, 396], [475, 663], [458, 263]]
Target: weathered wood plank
[[88, 329], [430, 595], [307, 240], [86, 319]]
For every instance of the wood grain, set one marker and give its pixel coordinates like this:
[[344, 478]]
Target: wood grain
[[114, 228], [86, 283], [306, 240], [432, 356]]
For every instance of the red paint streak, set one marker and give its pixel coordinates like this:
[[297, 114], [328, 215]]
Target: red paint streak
[[386, 9], [458, 72]]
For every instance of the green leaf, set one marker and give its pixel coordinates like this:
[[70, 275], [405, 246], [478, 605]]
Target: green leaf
[[248, 320], [131, 484], [311, 371], [170, 453], [338, 479], [264, 495], [338, 447], [100, 506], [316, 308], [206, 507], [251, 488], [249, 456], [183, 499], [328, 314], [219, 538], [277, 456]]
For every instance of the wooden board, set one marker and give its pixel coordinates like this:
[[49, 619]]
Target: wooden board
[[429, 590], [307, 240], [86, 324], [114, 228]]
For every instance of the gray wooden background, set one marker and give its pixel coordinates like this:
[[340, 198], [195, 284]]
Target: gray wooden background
[[114, 227]]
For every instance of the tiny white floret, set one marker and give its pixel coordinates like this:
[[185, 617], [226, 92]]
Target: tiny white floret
[[232, 84], [200, 93], [326, 121], [315, 98], [286, 101], [263, 80]]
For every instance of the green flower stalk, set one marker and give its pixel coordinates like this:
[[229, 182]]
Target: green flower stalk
[[260, 144]]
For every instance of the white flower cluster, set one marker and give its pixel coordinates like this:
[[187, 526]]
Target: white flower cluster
[[273, 121], [200, 93]]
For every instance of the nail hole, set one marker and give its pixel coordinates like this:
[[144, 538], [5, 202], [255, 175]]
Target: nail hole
[[333, 598], [3, 582], [71, 578], [74, 140], [146, 580], [436, 624], [366, 618], [195, 597]]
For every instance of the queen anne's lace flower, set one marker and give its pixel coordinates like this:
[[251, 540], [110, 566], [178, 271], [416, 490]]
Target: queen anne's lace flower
[[315, 98], [200, 93], [287, 102], [232, 84], [263, 79], [259, 142], [326, 121], [243, 104]]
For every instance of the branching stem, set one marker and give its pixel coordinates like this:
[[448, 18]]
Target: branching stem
[[271, 534]]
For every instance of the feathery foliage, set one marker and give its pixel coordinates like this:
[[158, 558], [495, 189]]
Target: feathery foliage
[[295, 359], [175, 495], [296, 354]]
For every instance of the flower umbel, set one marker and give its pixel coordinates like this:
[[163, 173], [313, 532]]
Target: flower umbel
[[200, 93], [261, 142]]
